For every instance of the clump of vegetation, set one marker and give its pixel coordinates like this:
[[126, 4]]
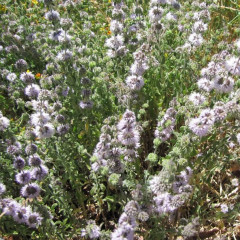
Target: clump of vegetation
[[119, 119]]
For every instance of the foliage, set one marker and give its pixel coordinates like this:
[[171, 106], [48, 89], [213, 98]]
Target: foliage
[[119, 119]]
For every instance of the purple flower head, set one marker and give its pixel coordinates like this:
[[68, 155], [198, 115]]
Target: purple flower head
[[223, 84], [34, 220], [19, 163], [2, 188], [27, 77], [207, 116], [197, 99], [205, 84], [21, 214], [31, 190], [14, 149], [219, 113], [45, 131], [135, 82], [23, 177], [233, 65], [224, 208], [91, 230], [65, 91], [52, 16], [86, 104], [39, 118], [60, 118], [62, 129], [4, 123], [32, 90], [21, 65], [155, 14], [35, 160], [31, 149], [198, 127], [162, 202], [40, 172], [10, 206], [129, 138]]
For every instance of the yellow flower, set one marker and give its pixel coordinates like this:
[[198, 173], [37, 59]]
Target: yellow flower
[[34, 1]]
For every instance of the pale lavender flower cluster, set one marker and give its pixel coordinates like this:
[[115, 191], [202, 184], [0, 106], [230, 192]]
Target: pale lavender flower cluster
[[102, 151], [24, 177], [237, 45], [45, 120], [196, 98], [165, 127], [116, 27], [10, 207], [53, 16], [170, 196], [215, 75], [11, 77], [238, 138], [118, 10], [156, 12], [21, 214], [69, 3], [64, 55], [128, 135], [2, 189], [40, 120], [32, 89], [92, 230], [14, 147], [21, 65], [224, 208], [135, 80], [127, 222], [27, 77], [116, 42], [116, 46], [200, 19], [202, 125], [107, 151], [86, 92], [232, 64], [4, 122], [60, 36]]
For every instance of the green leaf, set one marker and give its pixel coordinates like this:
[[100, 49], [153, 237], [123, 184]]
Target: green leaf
[[109, 199]]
